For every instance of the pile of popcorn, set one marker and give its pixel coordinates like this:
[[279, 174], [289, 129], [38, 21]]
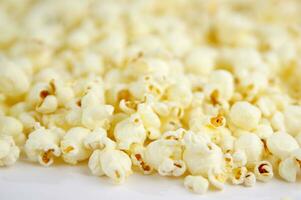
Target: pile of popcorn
[[207, 91]]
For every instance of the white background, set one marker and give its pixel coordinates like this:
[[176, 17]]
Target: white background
[[33, 182]]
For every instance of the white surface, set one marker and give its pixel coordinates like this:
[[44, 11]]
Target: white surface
[[31, 181]]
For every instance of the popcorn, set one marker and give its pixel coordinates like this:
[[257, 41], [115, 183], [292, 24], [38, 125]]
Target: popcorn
[[149, 68], [56, 119], [204, 92], [9, 152], [288, 169], [281, 144], [138, 158], [47, 97], [239, 175], [176, 135], [116, 40], [37, 93], [263, 131], [165, 156], [90, 88], [11, 126], [95, 163], [172, 168], [202, 156], [72, 145], [277, 122], [217, 179], [43, 145], [298, 139], [239, 158], [18, 109], [150, 120], [82, 36], [110, 162], [291, 116], [266, 106], [63, 92], [49, 105], [226, 142], [244, 115], [251, 145], [146, 85], [28, 120], [201, 61], [180, 93], [48, 74], [98, 139], [128, 107], [228, 22], [197, 184], [89, 111], [14, 82], [251, 84], [96, 116], [250, 179], [130, 131], [263, 171], [220, 86]]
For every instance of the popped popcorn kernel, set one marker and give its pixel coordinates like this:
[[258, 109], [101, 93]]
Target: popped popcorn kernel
[[263, 171], [9, 152], [244, 115], [197, 184]]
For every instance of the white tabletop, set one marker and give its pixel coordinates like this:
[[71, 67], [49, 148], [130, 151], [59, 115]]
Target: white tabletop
[[31, 181]]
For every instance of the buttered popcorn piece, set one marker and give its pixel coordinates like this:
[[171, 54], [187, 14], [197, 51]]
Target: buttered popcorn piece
[[205, 90], [9, 152]]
